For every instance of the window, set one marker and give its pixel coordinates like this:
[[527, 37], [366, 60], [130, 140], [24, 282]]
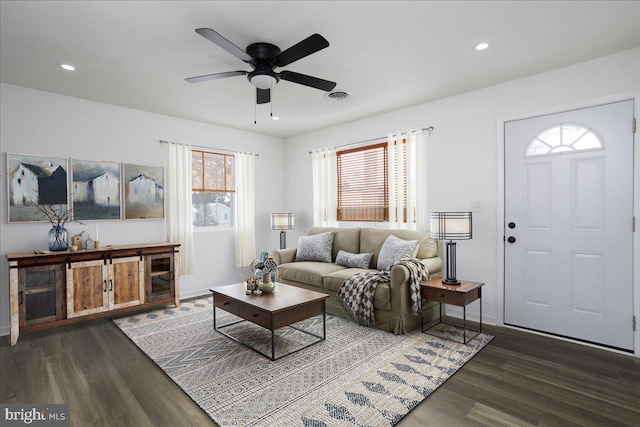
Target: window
[[563, 138], [213, 188], [363, 183]]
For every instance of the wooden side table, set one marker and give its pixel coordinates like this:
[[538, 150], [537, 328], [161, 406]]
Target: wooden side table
[[460, 295]]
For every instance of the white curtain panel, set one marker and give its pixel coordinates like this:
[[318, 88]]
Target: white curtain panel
[[178, 193], [244, 212], [415, 158], [325, 187]]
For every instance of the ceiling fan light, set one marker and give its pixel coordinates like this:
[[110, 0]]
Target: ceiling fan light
[[263, 81]]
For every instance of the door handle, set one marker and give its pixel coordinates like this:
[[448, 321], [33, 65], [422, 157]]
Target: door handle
[[110, 284], [511, 239], [105, 286]]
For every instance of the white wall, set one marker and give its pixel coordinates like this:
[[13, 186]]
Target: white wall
[[464, 153], [42, 123], [464, 163]]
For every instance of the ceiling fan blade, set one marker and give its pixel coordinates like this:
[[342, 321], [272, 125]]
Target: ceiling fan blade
[[310, 81], [263, 96], [216, 38], [304, 48], [215, 76]]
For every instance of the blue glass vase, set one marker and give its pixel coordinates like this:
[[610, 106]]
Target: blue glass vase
[[58, 238]]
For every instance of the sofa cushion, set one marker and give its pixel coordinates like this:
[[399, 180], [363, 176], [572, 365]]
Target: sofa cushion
[[334, 280], [315, 248], [427, 247], [371, 240], [394, 249], [382, 297], [309, 272], [346, 239], [349, 259]]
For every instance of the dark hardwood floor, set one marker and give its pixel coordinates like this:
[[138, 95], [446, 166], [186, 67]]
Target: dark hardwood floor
[[519, 379]]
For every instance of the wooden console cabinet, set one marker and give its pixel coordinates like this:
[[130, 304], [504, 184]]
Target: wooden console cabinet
[[56, 288]]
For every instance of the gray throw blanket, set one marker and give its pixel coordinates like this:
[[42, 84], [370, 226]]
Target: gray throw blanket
[[356, 293]]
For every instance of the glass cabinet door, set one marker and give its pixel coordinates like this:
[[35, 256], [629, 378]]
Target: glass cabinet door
[[160, 277], [40, 294]]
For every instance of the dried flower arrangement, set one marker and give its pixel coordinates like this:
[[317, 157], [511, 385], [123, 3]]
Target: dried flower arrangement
[[58, 215]]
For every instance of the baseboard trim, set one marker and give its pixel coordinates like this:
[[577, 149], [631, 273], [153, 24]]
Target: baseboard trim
[[194, 294], [474, 316]]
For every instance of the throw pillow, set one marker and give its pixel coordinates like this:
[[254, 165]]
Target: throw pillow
[[315, 248], [394, 249], [349, 259]]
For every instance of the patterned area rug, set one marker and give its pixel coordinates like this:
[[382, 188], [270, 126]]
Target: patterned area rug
[[358, 376]]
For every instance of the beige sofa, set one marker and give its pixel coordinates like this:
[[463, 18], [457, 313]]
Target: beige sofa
[[392, 305]]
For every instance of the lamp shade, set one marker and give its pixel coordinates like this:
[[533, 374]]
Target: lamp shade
[[451, 225], [282, 221]]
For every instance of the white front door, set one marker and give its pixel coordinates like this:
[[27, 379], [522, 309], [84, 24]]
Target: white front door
[[568, 224]]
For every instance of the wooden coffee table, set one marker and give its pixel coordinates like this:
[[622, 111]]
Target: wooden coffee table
[[285, 306]]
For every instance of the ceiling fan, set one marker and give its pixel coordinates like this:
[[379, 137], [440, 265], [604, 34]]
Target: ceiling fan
[[263, 58]]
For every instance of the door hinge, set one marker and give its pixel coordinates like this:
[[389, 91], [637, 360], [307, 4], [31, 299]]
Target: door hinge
[[633, 224], [634, 323], [633, 126]]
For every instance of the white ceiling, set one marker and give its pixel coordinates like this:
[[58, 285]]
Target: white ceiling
[[387, 54]]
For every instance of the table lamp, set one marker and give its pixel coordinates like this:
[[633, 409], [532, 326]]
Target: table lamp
[[451, 226], [282, 222]]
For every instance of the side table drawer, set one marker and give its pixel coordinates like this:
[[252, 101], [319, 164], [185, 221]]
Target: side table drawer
[[443, 296]]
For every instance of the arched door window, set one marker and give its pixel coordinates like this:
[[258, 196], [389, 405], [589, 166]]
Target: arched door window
[[564, 138]]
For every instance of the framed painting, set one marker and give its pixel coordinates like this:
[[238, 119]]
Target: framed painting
[[143, 191], [95, 190], [34, 181]]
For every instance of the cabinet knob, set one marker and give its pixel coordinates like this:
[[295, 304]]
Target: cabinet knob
[[441, 295], [226, 303]]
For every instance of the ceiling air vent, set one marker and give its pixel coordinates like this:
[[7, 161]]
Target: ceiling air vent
[[338, 95]]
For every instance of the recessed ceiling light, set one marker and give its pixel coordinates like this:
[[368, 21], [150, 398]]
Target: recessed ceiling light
[[67, 67], [482, 46], [275, 118]]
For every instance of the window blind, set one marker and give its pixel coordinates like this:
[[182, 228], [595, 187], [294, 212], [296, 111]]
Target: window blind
[[363, 184]]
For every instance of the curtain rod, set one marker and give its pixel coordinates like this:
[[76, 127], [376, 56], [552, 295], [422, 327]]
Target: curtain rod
[[428, 129], [207, 148]]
